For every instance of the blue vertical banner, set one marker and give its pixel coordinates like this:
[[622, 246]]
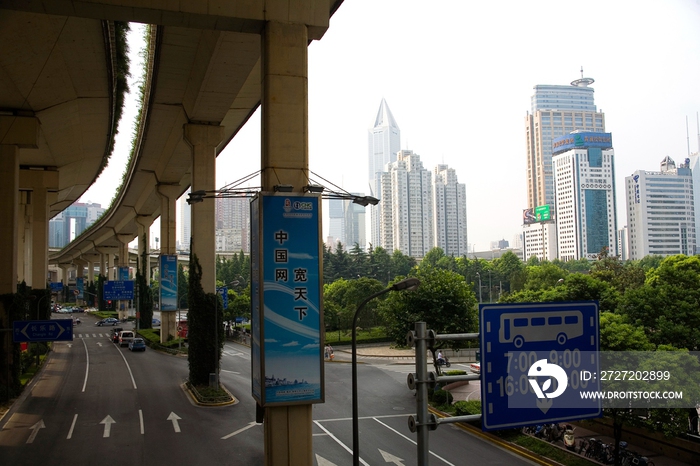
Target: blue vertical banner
[[80, 287], [168, 282], [287, 299], [223, 292], [123, 273]]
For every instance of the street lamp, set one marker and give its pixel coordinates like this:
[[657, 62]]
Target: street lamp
[[406, 284], [479, 275]]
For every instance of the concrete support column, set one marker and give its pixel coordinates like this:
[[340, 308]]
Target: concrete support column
[[39, 186], [79, 267], [111, 273], [123, 261], [144, 223], [285, 160], [204, 139], [168, 224], [15, 133], [90, 270], [9, 205], [102, 265]]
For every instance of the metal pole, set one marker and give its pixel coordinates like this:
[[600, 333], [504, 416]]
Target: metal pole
[[422, 393]]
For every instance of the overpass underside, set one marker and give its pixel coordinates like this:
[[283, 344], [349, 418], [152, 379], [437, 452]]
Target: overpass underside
[[210, 65]]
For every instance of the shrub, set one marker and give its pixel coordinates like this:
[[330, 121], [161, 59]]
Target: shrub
[[442, 397], [464, 408]]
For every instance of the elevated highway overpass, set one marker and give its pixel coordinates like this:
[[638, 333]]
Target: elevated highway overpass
[[210, 64]]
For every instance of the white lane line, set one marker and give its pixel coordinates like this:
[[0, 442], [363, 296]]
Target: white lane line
[[87, 364], [72, 426], [251, 424], [412, 441], [127, 366], [338, 441], [141, 421]]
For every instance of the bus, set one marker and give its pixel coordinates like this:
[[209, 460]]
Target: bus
[[559, 326]]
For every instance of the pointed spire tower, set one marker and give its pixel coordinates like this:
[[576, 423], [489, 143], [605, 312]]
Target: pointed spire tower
[[383, 144]]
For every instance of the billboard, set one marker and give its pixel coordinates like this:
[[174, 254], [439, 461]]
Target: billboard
[[542, 213], [168, 282], [286, 309], [528, 216], [582, 140]]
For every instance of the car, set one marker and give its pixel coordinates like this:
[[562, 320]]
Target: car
[[107, 321], [137, 344], [155, 322], [475, 367], [125, 337]]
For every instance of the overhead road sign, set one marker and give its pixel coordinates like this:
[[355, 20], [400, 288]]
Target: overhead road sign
[[42, 330], [532, 359], [118, 289]]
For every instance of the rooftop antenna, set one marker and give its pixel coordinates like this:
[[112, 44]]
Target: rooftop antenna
[[687, 134], [583, 82]]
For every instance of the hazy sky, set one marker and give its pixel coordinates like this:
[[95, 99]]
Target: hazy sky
[[458, 77]]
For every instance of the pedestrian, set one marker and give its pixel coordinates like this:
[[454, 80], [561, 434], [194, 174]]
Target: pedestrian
[[328, 352]]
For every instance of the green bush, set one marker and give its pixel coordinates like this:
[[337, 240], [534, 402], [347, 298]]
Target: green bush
[[441, 397], [465, 408], [456, 372]]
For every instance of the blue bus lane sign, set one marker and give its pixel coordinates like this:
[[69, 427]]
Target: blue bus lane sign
[[532, 359]]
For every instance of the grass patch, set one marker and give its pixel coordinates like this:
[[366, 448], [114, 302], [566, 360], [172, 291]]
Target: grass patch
[[152, 338], [207, 394]]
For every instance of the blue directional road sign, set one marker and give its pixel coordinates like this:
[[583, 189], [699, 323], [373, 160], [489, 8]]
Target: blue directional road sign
[[42, 330], [532, 359], [118, 289]]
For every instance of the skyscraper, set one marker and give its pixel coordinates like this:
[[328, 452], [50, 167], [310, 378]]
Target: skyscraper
[[233, 224], [556, 111], [384, 141], [450, 211], [584, 177], [336, 214], [661, 211], [70, 223], [407, 212], [185, 221]]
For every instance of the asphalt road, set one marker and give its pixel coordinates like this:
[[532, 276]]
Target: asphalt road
[[97, 403]]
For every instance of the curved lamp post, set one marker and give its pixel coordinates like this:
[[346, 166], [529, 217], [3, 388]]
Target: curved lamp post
[[407, 284]]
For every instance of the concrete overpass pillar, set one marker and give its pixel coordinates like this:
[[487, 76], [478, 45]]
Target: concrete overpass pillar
[[168, 224], [204, 139], [15, 133], [38, 185], [285, 160], [144, 230], [123, 256]]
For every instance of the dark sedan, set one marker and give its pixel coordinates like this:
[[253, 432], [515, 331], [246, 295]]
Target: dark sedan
[[107, 321]]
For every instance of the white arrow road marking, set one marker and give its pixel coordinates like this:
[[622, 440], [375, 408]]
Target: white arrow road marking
[[174, 417], [35, 430], [99, 344], [389, 458], [251, 424], [70, 345], [324, 462], [108, 421]]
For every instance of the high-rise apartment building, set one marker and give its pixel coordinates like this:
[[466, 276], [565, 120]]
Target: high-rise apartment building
[[555, 111], [407, 212], [185, 221], [449, 211], [347, 223], [384, 142], [64, 227], [661, 211], [233, 224], [584, 168]]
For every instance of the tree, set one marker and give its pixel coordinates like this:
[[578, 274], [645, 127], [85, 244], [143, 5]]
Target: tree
[[205, 317], [145, 294], [509, 267], [401, 264], [342, 297], [443, 300], [379, 263], [358, 266], [617, 334], [667, 304]]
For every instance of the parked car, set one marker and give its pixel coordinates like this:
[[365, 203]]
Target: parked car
[[475, 367], [155, 322], [107, 321], [137, 344], [125, 337]]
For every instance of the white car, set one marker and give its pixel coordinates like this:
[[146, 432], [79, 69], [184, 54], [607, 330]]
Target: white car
[[475, 367]]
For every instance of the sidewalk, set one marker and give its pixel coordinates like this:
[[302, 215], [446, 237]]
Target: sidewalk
[[472, 390]]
